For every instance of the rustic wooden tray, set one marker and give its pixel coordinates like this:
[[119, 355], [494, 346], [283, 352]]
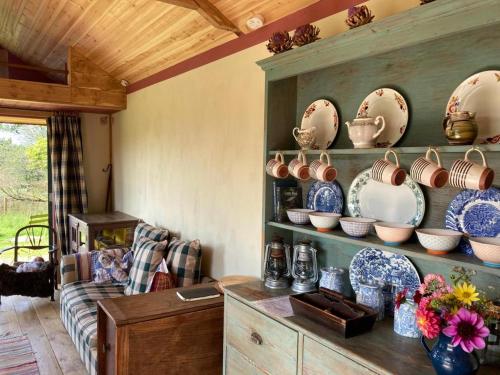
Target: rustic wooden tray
[[333, 310]]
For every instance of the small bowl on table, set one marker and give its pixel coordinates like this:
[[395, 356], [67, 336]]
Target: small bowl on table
[[393, 233], [438, 241], [356, 226], [324, 221], [299, 215], [487, 249]]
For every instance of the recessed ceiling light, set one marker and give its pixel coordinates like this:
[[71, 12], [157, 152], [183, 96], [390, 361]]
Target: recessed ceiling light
[[255, 22]]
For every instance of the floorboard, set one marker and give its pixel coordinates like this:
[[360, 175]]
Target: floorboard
[[39, 319]]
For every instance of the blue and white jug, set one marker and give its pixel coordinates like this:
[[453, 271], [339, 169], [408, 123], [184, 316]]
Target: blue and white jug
[[405, 321]]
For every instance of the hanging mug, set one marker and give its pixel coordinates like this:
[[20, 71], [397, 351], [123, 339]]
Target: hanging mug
[[276, 167], [427, 172], [298, 167], [466, 174], [387, 172], [322, 169]]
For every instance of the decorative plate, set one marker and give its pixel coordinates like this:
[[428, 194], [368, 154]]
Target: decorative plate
[[374, 265], [376, 200], [325, 197], [322, 115], [476, 213], [480, 93], [392, 106]]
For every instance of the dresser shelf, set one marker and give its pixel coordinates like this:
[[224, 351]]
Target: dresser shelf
[[412, 250], [401, 150]]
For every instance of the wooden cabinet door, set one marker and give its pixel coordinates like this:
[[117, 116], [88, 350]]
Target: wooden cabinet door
[[318, 360], [237, 364], [265, 342]]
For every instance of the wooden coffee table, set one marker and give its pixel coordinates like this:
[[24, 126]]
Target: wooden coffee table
[[159, 333]]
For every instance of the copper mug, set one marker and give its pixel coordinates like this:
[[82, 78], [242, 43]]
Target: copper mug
[[298, 167], [322, 169], [428, 172], [276, 167], [387, 172], [466, 174]]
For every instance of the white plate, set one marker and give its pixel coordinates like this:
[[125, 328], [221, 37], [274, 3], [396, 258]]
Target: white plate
[[392, 106], [480, 93], [394, 204], [322, 115]]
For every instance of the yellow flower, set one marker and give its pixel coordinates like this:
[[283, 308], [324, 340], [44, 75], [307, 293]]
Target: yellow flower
[[466, 293]]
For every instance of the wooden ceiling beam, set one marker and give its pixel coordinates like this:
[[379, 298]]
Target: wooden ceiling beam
[[208, 11]]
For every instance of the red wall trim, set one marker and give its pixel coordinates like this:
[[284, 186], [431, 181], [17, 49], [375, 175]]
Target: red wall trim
[[312, 13]]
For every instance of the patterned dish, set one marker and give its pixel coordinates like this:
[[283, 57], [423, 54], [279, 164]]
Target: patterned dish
[[392, 106], [356, 226], [488, 250], [325, 197], [394, 204], [323, 116], [299, 215], [480, 93], [374, 265], [438, 241], [476, 213]]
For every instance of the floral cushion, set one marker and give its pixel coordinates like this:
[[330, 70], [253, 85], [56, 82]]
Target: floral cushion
[[112, 265]]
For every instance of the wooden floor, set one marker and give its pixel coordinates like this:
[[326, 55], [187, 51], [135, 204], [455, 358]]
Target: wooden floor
[[39, 319]]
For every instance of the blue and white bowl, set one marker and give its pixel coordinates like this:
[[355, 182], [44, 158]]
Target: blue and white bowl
[[299, 215], [356, 226]]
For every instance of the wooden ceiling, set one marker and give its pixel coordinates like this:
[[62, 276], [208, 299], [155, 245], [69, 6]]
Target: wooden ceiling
[[130, 39]]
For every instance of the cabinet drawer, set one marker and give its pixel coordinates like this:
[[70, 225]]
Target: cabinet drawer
[[237, 364], [262, 340], [318, 359]]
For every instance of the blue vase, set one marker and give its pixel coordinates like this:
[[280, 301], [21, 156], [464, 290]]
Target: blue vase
[[449, 360], [370, 294]]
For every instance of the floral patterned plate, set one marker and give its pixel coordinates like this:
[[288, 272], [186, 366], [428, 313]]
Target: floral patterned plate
[[323, 116], [376, 200], [476, 213], [373, 265], [480, 93], [392, 106], [325, 197]]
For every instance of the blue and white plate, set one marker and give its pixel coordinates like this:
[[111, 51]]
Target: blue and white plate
[[374, 265], [325, 197], [476, 213]]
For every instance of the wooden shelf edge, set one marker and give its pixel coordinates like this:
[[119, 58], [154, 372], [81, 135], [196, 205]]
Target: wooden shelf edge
[[401, 150], [411, 250]]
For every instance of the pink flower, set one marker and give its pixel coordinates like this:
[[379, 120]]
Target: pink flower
[[467, 329], [428, 322], [434, 277]]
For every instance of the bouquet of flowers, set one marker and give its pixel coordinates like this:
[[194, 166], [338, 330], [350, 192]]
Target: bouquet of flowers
[[457, 311]]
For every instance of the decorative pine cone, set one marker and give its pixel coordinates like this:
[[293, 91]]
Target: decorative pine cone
[[358, 16], [305, 34], [422, 2], [280, 42]]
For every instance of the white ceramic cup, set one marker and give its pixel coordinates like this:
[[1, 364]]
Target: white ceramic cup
[[466, 174], [428, 172], [322, 169], [387, 172], [298, 167], [276, 167]]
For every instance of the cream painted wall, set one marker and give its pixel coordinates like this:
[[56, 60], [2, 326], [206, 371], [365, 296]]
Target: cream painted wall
[[96, 154], [188, 153]]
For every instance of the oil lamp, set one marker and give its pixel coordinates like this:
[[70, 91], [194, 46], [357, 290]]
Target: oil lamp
[[277, 264], [304, 267]]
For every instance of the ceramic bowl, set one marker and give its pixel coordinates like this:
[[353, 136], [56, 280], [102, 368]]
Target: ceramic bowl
[[393, 233], [438, 241], [487, 249], [299, 215], [356, 226], [324, 221]]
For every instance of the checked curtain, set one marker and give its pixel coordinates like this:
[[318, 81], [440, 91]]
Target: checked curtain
[[68, 179]]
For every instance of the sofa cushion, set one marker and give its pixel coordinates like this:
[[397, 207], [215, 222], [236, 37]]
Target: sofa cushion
[[149, 232], [112, 265], [76, 267], [147, 257], [184, 261]]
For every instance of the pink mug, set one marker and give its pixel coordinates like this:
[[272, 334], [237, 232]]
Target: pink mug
[[322, 169], [298, 167], [276, 167], [387, 172], [428, 172], [466, 174]]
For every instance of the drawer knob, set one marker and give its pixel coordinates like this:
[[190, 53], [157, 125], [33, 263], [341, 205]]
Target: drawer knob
[[256, 338]]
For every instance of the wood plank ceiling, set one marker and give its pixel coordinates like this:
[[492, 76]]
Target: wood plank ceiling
[[130, 39]]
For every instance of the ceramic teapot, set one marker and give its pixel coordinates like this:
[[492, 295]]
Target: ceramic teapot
[[305, 137], [364, 131], [460, 128]]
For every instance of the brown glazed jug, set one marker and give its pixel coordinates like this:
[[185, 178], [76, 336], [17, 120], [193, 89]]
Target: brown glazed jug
[[460, 128]]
